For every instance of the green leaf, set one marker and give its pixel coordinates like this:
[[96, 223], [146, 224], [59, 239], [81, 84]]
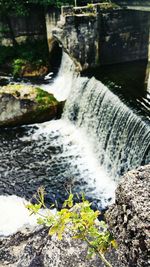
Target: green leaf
[[69, 201], [34, 208], [40, 221], [81, 220]]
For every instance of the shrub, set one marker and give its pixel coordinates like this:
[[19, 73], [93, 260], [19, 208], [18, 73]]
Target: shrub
[[17, 66], [80, 220], [34, 52]]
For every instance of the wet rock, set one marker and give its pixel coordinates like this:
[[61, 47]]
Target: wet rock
[[23, 104], [29, 71], [4, 80], [35, 248], [129, 218]]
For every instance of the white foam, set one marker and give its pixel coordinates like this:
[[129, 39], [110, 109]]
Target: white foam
[[76, 143], [60, 88], [14, 215], [62, 84]]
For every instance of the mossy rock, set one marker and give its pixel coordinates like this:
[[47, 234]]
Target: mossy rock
[[23, 104], [24, 68]]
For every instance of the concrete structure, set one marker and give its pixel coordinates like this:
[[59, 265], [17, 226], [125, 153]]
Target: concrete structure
[[97, 36], [148, 68], [51, 21], [23, 27]]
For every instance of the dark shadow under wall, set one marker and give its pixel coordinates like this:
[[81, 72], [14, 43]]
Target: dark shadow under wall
[[55, 57]]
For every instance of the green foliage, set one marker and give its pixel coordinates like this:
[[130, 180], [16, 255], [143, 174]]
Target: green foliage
[[90, 5], [3, 29], [6, 54], [12, 6], [34, 52], [20, 7], [45, 99], [17, 66], [80, 220]]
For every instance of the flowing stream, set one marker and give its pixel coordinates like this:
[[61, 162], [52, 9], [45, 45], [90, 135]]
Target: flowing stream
[[97, 139]]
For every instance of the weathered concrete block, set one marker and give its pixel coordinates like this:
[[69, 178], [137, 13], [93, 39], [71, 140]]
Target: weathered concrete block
[[104, 36]]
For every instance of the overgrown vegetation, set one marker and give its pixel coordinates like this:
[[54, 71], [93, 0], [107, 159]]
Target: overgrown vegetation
[[44, 98], [34, 52], [17, 66], [80, 220], [20, 7]]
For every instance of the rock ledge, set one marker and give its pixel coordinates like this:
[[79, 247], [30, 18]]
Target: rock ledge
[[129, 218]]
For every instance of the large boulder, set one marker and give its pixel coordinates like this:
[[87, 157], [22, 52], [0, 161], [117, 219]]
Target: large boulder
[[129, 218], [23, 104]]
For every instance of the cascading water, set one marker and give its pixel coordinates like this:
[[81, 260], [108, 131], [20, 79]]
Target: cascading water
[[97, 139], [64, 80], [120, 137]]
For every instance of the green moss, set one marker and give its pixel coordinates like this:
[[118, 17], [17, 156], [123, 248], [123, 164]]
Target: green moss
[[44, 99], [37, 105], [107, 5]]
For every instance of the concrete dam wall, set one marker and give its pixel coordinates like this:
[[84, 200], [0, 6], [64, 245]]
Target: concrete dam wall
[[92, 36]]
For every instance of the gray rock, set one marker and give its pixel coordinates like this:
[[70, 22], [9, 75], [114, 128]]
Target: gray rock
[[34, 248], [129, 218], [19, 105]]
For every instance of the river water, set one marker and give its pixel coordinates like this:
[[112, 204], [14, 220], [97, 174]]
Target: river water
[[97, 139]]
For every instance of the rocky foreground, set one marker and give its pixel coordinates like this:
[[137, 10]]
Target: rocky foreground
[[128, 219], [24, 104], [35, 248]]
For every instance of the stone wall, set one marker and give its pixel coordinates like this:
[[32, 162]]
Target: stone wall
[[123, 36], [148, 68], [119, 2], [95, 36], [51, 18], [79, 38], [133, 2], [30, 26]]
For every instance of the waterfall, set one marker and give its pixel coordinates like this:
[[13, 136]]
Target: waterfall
[[62, 84], [97, 139], [120, 137]]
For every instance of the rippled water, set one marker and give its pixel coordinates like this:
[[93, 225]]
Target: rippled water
[[53, 154], [98, 138]]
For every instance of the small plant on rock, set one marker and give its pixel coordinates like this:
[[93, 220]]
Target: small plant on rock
[[80, 220], [17, 66]]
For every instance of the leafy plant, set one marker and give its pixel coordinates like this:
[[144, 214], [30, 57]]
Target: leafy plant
[[90, 5], [17, 66], [34, 53], [80, 220]]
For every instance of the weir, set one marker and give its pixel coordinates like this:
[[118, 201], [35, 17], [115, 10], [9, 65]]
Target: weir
[[119, 136], [97, 139]]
